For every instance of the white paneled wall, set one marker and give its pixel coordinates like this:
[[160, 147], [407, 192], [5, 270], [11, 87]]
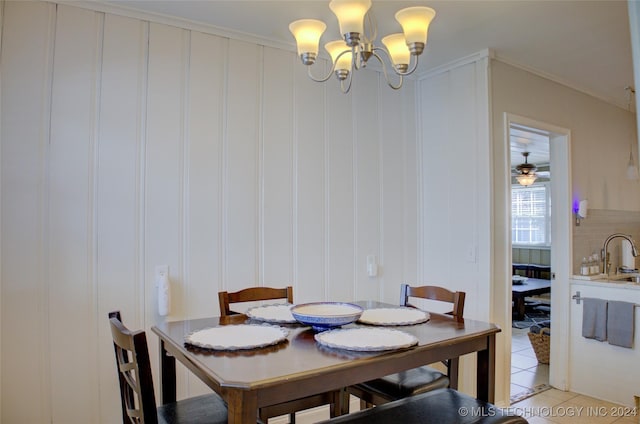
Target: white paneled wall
[[455, 190], [455, 182], [128, 144], [119, 177], [25, 249]]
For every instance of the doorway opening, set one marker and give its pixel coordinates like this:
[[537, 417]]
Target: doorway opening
[[558, 172], [530, 259]]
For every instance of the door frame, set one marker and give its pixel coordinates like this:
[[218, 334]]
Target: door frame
[[561, 242]]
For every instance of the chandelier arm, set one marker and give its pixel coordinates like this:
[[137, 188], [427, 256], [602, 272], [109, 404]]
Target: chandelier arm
[[386, 74], [348, 87], [388, 56], [410, 71], [323, 79], [356, 57]]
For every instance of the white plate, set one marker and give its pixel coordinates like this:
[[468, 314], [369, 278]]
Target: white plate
[[518, 280], [272, 313], [236, 337], [366, 339], [393, 316]]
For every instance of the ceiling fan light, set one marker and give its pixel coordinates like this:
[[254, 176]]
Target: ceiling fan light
[[526, 172], [526, 179]]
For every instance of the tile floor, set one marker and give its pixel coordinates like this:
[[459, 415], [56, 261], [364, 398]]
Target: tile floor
[[557, 407], [526, 373], [551, 405]]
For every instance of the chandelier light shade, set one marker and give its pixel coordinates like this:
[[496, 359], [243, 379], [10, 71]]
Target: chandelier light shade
[[415, 23], [398, 51], [307, 33], [350, 14], [341, 57], [357, 45]]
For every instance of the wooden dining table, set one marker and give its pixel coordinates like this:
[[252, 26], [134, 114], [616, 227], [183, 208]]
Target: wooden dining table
[[298, 367]]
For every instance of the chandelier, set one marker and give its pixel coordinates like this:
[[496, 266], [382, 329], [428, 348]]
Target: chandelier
[[526, 172], [356, 47]]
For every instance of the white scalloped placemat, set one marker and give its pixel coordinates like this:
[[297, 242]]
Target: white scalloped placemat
[[272, 313], [236, 337], [366, 339], [393, 316]]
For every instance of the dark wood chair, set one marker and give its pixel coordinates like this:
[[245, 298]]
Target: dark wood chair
[[136, 386], [417, 380], [257, 294], [442, 406], [252, 294]]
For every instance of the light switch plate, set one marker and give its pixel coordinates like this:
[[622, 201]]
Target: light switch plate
[[160, 271]]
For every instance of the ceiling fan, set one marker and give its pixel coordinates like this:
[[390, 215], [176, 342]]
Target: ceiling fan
[[526, 173]]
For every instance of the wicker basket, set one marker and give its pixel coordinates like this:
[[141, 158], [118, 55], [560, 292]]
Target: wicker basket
[[540, 342]]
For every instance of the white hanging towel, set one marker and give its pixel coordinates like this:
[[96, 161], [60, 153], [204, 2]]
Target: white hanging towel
[[164, 295]]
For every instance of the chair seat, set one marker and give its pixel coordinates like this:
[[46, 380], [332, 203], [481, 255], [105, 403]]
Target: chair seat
[[205, 409], [407, 383], [438, 406]]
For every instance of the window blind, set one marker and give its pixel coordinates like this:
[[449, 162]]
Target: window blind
[[530, 215]]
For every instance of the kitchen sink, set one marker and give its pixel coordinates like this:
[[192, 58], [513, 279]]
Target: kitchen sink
[[622, 277]]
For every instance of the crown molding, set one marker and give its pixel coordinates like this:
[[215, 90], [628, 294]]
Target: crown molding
[[508, 61], [160, 18]]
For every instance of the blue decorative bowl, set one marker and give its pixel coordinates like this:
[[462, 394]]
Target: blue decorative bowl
[[323, 316]]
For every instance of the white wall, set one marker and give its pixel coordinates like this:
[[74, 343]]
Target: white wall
[[601, 133], [128, 144], [600, 136]]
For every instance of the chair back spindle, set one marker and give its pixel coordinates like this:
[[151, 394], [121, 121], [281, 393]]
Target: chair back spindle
[[440, 294], [252, 294]]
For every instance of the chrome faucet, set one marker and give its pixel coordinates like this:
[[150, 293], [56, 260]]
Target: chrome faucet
[[606, 264]]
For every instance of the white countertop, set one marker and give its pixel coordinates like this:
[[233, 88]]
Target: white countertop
[[602, 280]]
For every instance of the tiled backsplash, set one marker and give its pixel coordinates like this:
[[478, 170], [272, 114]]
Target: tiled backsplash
[[589, 236]]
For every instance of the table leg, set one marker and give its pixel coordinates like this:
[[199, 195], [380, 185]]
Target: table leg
[[167, 375], [453, 368], [486, 381], [519, 306], [242, 407]]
